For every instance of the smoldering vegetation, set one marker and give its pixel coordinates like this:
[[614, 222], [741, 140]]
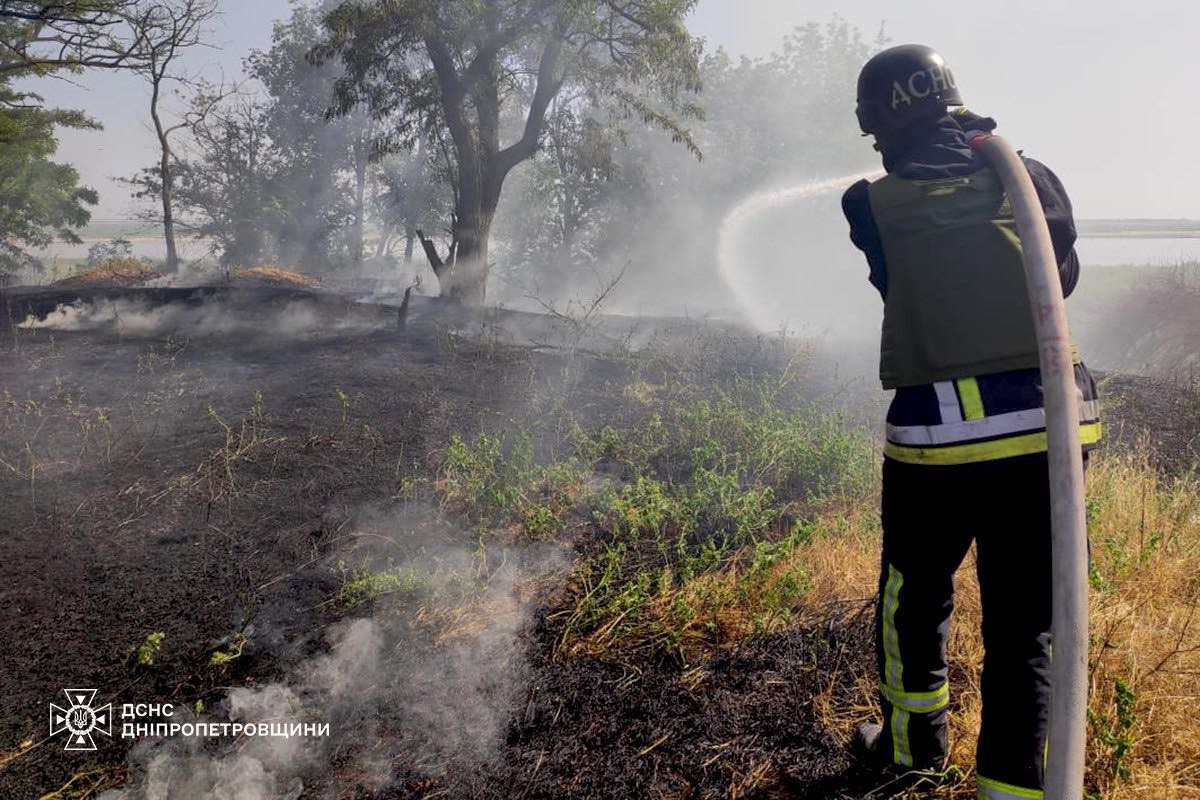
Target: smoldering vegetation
[[394, 564], [232, 316], [145, 318], [1137, 326], [539, 571], [383, 683]]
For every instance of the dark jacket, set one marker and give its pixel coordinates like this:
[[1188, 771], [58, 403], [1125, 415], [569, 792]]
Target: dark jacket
[[942, 151], [935, 412]]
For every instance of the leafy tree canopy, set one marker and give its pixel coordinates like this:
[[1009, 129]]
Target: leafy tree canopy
[[40, 199], [39, 38], [591, 203], [267, 176], [484, 76]]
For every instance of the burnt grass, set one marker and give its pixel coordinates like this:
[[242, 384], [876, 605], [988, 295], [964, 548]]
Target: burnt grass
[[123, 513]]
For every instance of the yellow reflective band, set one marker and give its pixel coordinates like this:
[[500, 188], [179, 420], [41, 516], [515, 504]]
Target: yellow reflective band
[[972, 402], [893, 667], [972, 452], [919, 702], [995, 790], [901, 751]]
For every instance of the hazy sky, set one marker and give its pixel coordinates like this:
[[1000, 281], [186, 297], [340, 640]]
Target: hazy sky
[[1105, 92]]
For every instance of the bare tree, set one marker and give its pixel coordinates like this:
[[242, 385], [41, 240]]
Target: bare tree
[[164, 31]]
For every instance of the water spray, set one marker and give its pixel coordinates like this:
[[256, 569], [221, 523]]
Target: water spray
[[1068, 670], [754, 206]]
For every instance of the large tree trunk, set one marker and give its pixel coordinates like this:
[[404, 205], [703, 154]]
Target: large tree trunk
[[482, 164], [468, 282], [410, 238]]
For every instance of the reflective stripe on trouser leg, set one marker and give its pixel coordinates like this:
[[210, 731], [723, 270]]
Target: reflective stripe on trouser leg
[[924, 541], [903, 706], [918, 702], [893, 668], [996, 790]]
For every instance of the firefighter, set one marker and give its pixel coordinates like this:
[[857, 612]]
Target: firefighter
[[965, 455]]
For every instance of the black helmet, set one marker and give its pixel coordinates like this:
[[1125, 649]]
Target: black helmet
[[903, 85]]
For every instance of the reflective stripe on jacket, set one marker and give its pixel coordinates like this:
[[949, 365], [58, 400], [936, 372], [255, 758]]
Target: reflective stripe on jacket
[[997, 413], [984, 418]]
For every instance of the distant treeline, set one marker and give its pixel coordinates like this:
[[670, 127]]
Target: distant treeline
[[1139, 227]]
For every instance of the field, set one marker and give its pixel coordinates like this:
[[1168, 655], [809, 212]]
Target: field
[[508, 555], [1140, 319]]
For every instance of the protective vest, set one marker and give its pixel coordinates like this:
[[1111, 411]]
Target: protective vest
[[956, 303]]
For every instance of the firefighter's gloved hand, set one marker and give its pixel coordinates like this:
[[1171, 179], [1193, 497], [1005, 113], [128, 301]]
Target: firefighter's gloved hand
[[973, 124]]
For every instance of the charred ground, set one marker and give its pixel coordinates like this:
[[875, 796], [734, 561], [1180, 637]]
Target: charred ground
[[242, 493]]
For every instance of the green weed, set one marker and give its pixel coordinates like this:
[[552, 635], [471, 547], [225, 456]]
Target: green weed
[[366, 587], [495, 483], [144, 654], [231, 653], [1115, 731]]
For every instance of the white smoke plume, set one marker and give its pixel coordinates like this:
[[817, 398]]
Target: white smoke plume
[[136, 317], [449, 697], [258, 767]]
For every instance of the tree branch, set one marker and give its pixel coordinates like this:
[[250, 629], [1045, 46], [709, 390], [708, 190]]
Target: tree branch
[[549, 82]]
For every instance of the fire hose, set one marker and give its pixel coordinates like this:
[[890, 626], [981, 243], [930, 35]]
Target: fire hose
[[1069, 628]]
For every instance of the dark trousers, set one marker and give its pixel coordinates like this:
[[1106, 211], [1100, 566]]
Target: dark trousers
[[931, 515]]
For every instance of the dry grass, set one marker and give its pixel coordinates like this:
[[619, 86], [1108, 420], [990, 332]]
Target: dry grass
[[123, 272], [1144, 732], [1145, 630], [274, 275], [820, 567]]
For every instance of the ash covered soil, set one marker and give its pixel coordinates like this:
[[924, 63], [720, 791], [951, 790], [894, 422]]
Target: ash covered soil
[[224, 475]]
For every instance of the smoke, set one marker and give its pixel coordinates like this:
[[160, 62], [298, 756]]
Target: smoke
[[189, 273], [264, 766], [432, 688], [457, 698], [807, 292], [136, 317]]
